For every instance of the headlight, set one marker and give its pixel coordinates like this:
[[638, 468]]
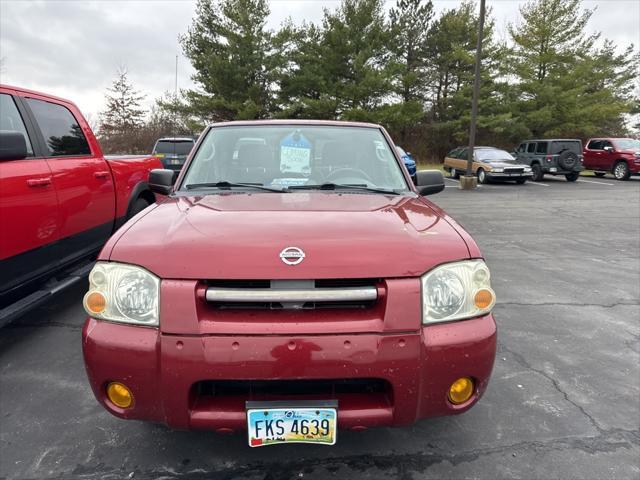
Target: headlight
[[497, 170], [123, 293], [456, 291], [527, 169]]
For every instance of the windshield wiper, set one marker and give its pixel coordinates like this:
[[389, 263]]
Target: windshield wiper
[[345, 186], [224, 185]]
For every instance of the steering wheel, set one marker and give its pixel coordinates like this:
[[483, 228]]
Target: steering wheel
[[347, 172]]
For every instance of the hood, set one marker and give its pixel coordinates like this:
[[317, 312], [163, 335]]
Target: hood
[[240, 236]]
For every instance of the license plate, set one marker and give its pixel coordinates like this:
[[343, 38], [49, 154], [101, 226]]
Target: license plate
[[271, 423]]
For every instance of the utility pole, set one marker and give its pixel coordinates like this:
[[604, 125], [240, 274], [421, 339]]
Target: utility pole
[[175, 99], [469, 181]]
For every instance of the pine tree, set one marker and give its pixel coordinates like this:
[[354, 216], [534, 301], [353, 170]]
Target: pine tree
[[123, 113], [229, 48]]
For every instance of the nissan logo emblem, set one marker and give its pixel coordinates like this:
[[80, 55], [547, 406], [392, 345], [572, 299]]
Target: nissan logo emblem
[[292, 255]]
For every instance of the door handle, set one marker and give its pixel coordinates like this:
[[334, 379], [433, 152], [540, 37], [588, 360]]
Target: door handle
[[102, 174], [39, 182]]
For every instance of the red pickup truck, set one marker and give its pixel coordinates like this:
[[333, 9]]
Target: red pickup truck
[[620, 156], [60, 198], [293, 282]]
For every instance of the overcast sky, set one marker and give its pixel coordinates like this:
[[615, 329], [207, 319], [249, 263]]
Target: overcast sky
[[72, 48]]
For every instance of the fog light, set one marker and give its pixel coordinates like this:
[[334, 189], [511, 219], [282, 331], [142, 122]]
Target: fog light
[[119, 395], [461, 390]]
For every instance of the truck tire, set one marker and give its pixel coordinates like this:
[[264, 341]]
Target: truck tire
[[139, 205], [538, 174], [568, 160], [572, 177], [621, 170]]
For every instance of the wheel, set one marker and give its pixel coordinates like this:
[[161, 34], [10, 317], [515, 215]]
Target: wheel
[[572, 177], [599, 174], [482, 176], [621, 171], [454, 173], [520, 181], [538, 174], [138, 206]]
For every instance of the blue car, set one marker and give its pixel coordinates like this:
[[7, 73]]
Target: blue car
[[408, 160]]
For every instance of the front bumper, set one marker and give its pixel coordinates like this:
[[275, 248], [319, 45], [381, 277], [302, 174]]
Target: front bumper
[[508, 176], [162, 369]]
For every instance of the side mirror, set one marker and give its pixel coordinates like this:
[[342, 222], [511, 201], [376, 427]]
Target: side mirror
[[429, 182], [161, 180], [13, 146], [608, 149]]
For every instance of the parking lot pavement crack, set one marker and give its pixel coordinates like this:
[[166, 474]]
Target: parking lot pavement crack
[[605, 442], [15, 326], [524, 363], [568, 304]]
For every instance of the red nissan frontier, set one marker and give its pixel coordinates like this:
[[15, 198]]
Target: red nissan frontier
[[294, 282]]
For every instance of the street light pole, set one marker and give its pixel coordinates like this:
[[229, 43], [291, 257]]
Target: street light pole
[[469, 181]]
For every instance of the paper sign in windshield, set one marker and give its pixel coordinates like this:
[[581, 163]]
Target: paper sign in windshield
[[295, 154]]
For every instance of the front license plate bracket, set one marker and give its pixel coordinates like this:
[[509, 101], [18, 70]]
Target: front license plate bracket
[[303, 421]]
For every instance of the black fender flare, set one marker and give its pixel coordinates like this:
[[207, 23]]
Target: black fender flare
[[141, 190]]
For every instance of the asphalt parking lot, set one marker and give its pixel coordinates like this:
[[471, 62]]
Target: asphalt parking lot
[[564, 399]]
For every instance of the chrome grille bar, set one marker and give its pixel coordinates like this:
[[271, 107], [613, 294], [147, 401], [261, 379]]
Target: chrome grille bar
[[269, 295]]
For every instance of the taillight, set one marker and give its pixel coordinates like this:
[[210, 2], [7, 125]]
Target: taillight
[[549, 158]]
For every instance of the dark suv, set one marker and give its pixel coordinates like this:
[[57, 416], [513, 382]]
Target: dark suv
[[556, 157]]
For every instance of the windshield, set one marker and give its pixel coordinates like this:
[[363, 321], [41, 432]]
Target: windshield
[[627, 144], [284, 156], [493, 155], [181, 147]]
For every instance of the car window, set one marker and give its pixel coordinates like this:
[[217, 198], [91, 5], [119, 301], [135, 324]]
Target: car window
[[627, 144], [563, 145], [60, 129], [453, 153], [176, 147], [595, 145], [493, 155], [522, 148], [11, 120], [541, 148], [531, 148], [290, 155], [606, 143]]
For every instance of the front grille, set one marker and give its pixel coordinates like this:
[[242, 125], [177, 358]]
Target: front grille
[[292, 294], [513, 170], [281, 389]]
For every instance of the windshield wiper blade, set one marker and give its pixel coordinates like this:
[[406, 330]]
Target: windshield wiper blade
[[343, 186], [229, 185]]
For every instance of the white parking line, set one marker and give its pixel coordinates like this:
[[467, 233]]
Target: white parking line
[[452, 179], [598, 183], [537, 183]]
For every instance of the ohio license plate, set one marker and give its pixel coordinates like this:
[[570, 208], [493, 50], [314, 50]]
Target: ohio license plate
[[270, 423]]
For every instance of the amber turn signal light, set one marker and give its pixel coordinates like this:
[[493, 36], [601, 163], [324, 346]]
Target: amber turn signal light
[[461, 390], [95, 302], [119, 395], [483, 298]]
